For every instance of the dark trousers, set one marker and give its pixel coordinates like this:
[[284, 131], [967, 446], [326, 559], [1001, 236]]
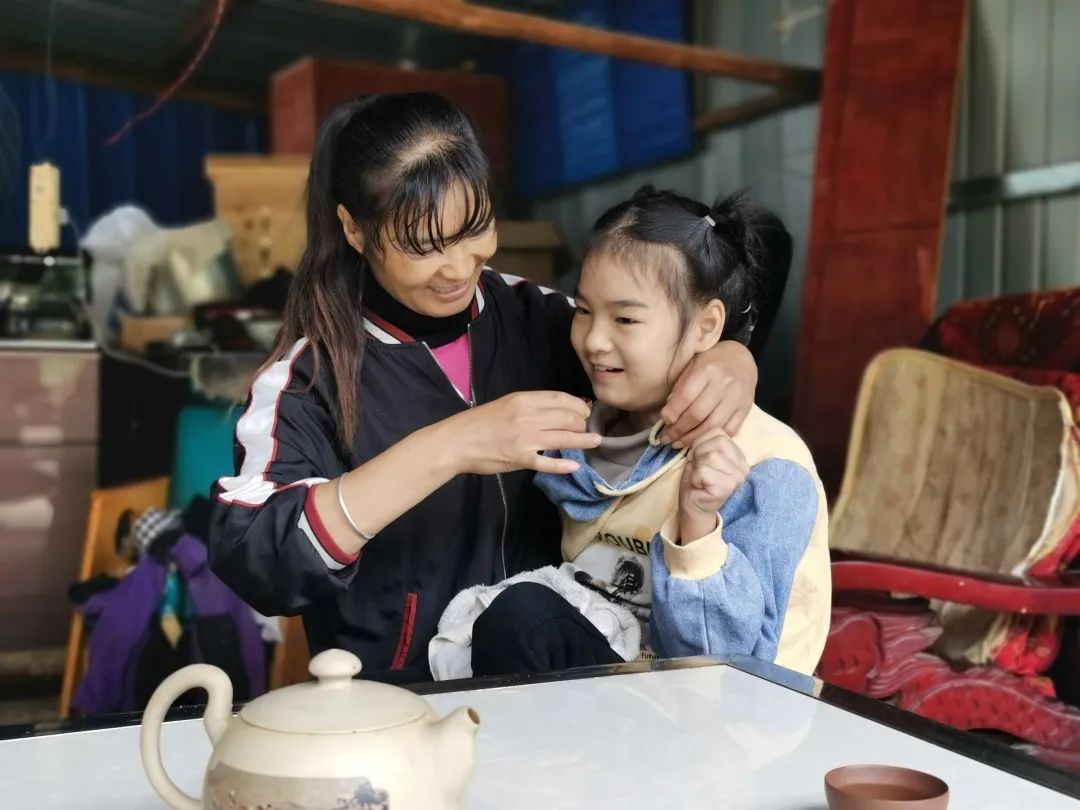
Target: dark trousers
[[530, 628]]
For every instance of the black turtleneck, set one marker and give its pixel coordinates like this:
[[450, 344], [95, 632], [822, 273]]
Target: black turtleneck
[[434, 332]]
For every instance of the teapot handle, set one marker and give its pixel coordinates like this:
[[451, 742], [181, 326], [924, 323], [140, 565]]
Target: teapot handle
[[215, 719]]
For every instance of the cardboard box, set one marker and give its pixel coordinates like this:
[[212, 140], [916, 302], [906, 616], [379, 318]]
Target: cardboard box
[[262, 200], [529, 249], [136, 333]]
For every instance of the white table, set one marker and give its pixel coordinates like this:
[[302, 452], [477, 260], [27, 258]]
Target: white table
[[702, 737]]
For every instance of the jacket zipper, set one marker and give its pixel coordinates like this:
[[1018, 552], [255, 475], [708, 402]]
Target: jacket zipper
[[506, 520], [471, 403]]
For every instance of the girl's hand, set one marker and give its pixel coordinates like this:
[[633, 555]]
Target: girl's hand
[[510, 433], [715, 468], [715, 392]]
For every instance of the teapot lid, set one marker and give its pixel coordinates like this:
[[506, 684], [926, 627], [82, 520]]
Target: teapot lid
[[334, 703]]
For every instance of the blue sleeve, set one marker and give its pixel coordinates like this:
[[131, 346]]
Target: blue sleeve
[[738, 609]]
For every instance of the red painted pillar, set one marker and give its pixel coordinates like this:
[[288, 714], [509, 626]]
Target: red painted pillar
[[880, 188]]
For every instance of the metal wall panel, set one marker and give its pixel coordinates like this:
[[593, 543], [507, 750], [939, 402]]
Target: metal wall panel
[[1020, 109]]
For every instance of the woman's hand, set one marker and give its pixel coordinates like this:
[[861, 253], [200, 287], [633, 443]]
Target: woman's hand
[[715, 468], [716, 391], [511, 432]]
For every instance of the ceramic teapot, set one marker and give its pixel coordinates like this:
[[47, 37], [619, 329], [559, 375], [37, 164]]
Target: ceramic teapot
[[332, 744]]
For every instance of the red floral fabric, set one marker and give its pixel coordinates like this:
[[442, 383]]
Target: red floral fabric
[[1031, 331]]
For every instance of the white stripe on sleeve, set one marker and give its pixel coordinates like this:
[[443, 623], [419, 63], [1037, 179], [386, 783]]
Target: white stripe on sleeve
[[255, 432]]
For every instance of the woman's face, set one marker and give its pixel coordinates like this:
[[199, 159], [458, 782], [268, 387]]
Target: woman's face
[[441, 283]]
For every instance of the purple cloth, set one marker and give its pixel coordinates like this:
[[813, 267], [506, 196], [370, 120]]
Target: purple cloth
[[123, 616], [212, 597]]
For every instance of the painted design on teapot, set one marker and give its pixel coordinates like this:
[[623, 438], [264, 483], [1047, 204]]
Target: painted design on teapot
[[231, 789]]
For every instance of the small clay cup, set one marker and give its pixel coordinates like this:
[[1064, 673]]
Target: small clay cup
[[883, 787]]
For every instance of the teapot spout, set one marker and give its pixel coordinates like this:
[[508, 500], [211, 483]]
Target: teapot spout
[[464, 721], [457, 748]]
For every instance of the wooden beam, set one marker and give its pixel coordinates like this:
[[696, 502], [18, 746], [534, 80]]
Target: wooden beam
[[122, 77], [493, 22], [746, 111]]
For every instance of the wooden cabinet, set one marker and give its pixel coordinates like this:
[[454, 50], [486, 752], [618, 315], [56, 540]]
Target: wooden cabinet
[[303, 94], [48, 468]]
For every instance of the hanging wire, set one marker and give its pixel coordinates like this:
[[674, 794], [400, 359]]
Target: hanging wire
[[215, 24]]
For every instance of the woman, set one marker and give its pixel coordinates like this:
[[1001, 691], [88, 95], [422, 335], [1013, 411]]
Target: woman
[[386, 455]]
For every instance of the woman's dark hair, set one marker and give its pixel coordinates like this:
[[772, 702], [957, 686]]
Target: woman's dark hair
[[698, 253], [390, 160]]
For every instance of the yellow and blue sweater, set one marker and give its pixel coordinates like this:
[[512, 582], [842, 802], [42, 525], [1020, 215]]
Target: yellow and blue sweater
[[758, 585]]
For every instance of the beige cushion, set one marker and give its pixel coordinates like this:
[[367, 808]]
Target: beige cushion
[[954, 465]]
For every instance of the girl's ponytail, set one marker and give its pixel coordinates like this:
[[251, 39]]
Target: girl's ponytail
[[735, 253]]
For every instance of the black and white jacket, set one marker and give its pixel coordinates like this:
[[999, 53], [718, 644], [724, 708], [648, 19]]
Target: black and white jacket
[[266, 540]]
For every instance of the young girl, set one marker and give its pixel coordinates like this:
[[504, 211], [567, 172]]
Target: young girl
[[717, 549]]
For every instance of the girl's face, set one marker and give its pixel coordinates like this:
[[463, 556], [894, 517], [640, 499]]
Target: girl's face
[[628, 335], [440, 283]]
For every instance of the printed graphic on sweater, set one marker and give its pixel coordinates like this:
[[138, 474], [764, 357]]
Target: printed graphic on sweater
[[617, 567]]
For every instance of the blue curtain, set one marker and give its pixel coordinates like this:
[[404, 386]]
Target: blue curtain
[[158, 164]]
